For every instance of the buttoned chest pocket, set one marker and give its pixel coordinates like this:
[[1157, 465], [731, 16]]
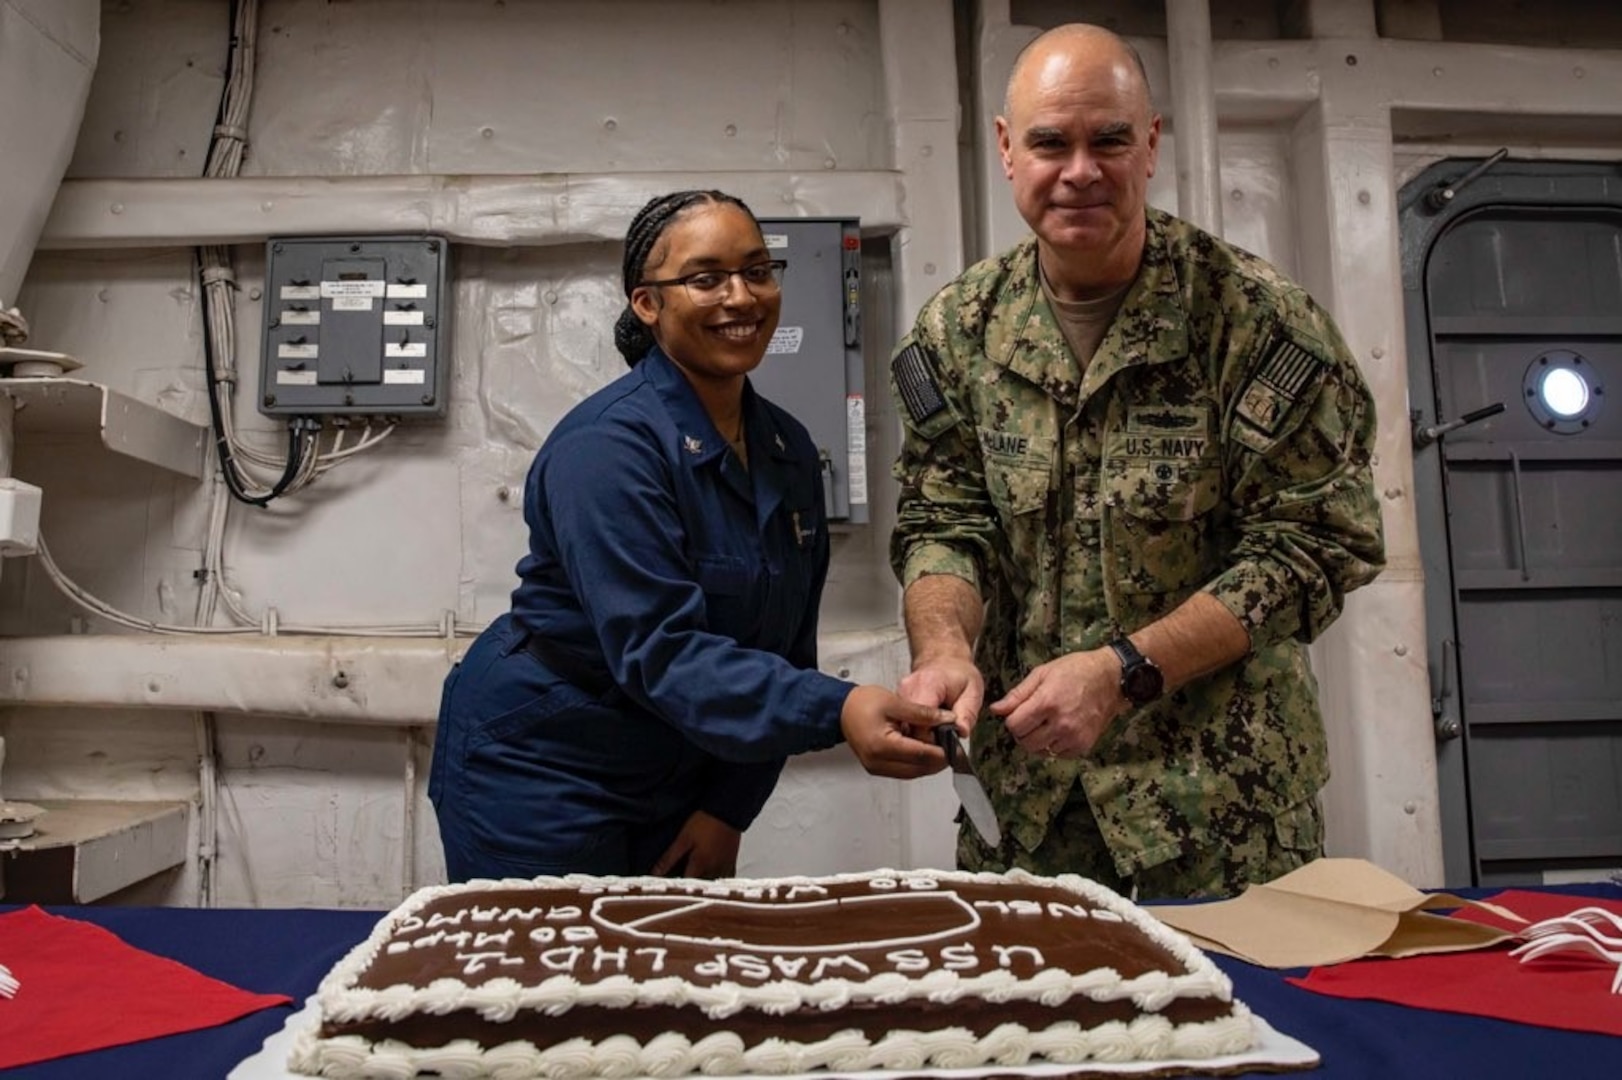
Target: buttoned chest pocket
[[727, 582], [1018, 483], [1162, 530]]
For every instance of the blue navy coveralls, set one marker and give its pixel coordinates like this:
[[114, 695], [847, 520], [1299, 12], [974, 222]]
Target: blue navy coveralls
[[659, 657]]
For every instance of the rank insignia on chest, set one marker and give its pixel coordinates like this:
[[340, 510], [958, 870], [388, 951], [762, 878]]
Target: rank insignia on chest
[[1287, 372], [691, 445]]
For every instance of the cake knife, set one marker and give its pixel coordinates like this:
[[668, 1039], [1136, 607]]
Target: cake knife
[[967, 785]]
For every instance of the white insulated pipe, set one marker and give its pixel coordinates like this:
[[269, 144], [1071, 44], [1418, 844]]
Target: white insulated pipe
[[1193, 110]]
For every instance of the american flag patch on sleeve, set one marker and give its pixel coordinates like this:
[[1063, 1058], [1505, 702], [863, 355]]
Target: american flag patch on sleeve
[[915, 384], [1287, 372]]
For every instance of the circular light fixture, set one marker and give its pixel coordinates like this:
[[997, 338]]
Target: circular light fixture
[[1562, 391]]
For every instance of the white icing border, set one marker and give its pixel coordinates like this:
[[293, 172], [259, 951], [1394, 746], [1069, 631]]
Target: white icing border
[[501, 999], [1149, 1037]]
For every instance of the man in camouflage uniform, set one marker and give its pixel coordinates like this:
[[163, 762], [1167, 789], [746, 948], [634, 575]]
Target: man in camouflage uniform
[[1134, 483]]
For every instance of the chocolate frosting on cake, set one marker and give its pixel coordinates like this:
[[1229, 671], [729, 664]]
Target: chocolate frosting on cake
[[593, 976]]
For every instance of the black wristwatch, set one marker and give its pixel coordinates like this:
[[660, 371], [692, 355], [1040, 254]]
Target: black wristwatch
[[1141, 680]]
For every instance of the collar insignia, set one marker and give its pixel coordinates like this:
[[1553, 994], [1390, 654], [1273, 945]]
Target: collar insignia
[[779, 439], [691, 445]]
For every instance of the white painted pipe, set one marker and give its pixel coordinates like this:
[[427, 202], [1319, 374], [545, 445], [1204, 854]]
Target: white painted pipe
[[408, 825], [1193, 110]]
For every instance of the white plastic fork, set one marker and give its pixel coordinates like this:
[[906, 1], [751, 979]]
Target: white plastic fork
[[1589, 920], [1580, 942], [8, 983]]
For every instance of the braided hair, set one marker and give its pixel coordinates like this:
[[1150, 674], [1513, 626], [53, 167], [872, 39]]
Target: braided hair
[[631, 337]]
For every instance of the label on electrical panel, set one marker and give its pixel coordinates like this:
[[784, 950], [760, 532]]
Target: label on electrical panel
[[300, 318], [291, 351], [331, 289], [776, 241], [301, 292], [351, 303], [856, 434], [785, 340], [402, 318], [405, 375], [295, 378], [399, 290], [408, 348]]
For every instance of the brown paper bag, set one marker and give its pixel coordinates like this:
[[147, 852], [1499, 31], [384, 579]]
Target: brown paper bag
[[1327, 912]]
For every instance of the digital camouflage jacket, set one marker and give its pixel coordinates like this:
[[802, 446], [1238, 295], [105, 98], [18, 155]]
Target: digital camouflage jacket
[[1220, 440]]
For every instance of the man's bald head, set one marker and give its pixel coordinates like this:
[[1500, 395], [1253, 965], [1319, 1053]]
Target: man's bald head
[[1079, 141], [1074, 40]]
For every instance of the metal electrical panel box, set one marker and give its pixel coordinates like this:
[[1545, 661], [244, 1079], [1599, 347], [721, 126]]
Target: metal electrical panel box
[[355, 325], [813, 366]]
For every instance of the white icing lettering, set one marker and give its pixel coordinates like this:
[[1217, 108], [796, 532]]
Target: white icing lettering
[[753, 894], [561, 959], [429, 941], [658, 958], [520, 914], [1107, 916], [1025, 907], [543, 935], [828, 963], [789, 965], [409, 924], [712, 969], [959, 958], [399, 947], [589, 890], [479, 914], [1059, 911], [617, 957], [1006, 953], [474, 962], [579, 933], [751, 967], [559, 914], [503, 939], [908, 960], [881, 884], [998, 906], [461, 939], [447, 920], [812, 890], [920, 884]]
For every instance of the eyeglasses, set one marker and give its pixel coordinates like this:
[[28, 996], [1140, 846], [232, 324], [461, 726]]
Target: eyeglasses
[[706, 288]]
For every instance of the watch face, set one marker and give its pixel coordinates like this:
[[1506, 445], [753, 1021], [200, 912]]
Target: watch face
[[1143, 683]]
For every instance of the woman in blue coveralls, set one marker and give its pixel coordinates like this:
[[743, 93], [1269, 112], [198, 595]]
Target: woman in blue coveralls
[[631, 713]]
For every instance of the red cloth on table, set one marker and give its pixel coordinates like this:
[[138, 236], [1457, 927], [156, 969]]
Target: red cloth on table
[[84, 988], [1571, 991]]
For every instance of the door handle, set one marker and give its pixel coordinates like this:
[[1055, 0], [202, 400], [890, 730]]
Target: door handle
[[1424, 436], [1447, 724]]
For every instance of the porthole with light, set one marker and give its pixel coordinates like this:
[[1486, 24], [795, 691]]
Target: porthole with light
[[1562, 391]]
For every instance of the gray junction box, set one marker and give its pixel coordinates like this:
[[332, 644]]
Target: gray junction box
[[355, 325], [813, 367]]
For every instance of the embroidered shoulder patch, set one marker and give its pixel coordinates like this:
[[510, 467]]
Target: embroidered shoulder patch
[[1286, 372], [915, 383]]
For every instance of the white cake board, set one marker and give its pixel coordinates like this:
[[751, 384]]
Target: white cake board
[[1274, 1049]]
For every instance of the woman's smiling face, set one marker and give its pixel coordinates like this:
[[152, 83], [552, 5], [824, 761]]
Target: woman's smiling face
[[723, 340]]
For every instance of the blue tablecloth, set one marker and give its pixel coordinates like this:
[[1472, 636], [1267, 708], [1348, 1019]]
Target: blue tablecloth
[[289, 951]]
